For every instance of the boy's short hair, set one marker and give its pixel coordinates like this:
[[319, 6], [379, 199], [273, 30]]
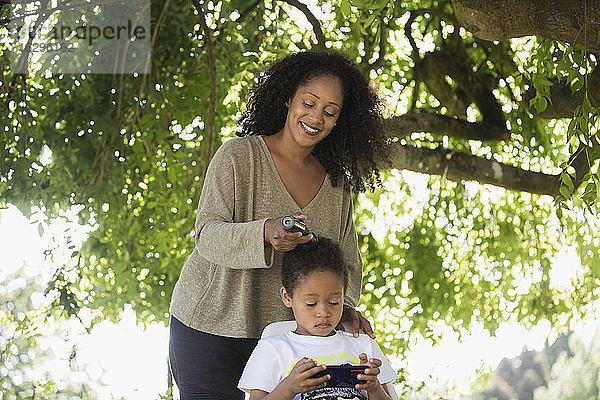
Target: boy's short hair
[[324, 255]]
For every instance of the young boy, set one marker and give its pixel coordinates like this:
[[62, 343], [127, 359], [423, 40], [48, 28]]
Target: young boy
[[281, 366]]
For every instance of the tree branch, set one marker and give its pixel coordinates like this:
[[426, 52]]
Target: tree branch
[[313, 21], [470, 87], [433, 74], [466, 167], [439, 124], [408, 33], [416, 57], [383, 32]]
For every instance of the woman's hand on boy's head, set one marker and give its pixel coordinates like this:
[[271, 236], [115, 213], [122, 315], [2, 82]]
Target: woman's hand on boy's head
[[370, 374], [299, 380], [357, 320]]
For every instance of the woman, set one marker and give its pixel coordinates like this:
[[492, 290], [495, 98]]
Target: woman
[[309, 135]]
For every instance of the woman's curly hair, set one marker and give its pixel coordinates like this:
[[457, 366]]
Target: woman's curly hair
[[324, 255], [350, 148]]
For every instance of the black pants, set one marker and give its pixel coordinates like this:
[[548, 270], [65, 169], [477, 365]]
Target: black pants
[[207, 366]]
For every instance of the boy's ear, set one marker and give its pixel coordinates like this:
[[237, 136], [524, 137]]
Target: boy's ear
[[285, 296]]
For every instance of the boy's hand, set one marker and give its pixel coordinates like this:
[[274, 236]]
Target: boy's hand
[[370, 374], [299, 380]]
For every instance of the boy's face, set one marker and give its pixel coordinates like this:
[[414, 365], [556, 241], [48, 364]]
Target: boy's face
[[317, 302]]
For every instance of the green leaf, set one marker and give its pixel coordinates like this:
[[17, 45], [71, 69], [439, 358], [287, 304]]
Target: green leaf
[[540, 80], [572, 127], [566, 179], [565, 191], [540, 103], [172, 173], [589, 196], [369, 20], [346, 8]]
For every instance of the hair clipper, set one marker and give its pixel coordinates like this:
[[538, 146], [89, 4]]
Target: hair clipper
[[293, 224]]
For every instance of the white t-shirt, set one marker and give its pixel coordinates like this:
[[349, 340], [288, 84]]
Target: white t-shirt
[[275, 356]]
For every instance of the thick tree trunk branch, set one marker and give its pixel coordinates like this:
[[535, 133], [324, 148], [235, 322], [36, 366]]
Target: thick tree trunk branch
[[316, 24], [562, 20], [439, 125], [466, 167]]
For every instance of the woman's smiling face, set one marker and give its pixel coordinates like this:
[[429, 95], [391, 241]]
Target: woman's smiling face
[[314, 110]]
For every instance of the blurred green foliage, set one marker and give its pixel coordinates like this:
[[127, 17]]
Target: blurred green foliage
[[130, 150]]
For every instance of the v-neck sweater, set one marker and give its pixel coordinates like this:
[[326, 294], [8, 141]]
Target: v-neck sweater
[[229, 285]]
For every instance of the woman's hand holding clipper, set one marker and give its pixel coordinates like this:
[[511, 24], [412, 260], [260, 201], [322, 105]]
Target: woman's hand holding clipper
[[282, 239]]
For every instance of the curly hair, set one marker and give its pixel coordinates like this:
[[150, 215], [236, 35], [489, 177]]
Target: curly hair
[[324, 255], [350, 148]]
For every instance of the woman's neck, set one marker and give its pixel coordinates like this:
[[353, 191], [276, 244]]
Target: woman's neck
[[281, 145]]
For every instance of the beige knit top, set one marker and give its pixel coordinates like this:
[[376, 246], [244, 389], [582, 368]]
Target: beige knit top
[[229, 285]]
